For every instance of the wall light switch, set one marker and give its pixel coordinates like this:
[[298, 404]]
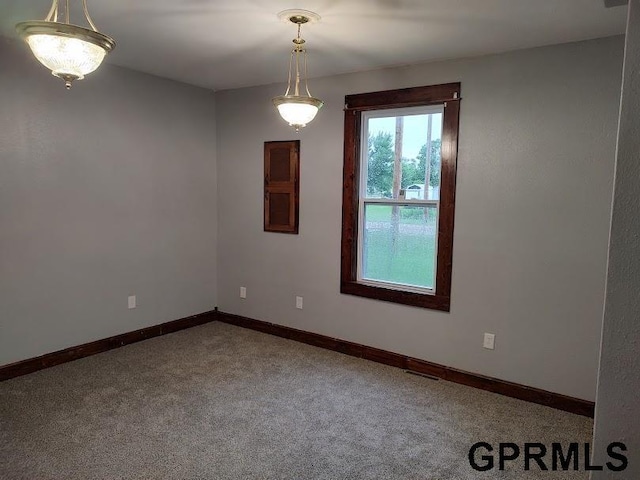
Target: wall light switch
[[299, 303], [243, 292], [132, 301], [489, 341]]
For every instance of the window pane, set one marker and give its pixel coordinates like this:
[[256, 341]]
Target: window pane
[[412, 164], [399, 244]]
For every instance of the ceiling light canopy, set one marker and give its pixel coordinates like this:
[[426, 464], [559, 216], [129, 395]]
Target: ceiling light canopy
[[298, 110], [69, 51]]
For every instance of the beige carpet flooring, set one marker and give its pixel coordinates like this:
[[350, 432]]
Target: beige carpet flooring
[[222, 402]]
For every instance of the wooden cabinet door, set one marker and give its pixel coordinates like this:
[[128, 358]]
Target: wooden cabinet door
[[281, 186]]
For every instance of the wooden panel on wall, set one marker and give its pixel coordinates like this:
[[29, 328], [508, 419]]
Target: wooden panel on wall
[[281, 186]]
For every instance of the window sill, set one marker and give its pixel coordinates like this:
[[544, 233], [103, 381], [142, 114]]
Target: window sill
[[422, 300]]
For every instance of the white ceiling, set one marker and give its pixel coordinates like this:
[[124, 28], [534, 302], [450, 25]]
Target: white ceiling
[[221, 44]]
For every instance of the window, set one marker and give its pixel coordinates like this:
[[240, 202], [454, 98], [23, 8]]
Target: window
[[400, 156]]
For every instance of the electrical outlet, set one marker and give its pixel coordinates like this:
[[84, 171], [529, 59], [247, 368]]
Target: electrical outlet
[[489, 341], [299, 303], [243, 292], [131, 301]]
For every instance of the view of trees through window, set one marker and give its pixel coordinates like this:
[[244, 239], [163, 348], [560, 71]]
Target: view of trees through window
[[403, 163], [400, 208], [381, 163]]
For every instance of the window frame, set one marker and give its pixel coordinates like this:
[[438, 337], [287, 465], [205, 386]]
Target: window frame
[[356, 105]]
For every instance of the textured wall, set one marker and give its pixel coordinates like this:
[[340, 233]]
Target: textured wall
[[618, 401], [105, 191], [537, 144]]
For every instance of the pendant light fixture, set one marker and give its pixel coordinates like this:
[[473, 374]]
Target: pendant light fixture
[[294, 108], [69, 51]]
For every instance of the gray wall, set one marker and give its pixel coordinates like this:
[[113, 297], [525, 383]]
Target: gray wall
[[618, 401], [537, 144], [105, 191]]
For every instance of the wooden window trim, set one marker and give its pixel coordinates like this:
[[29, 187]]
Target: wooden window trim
[[290, 187], [449, 95]]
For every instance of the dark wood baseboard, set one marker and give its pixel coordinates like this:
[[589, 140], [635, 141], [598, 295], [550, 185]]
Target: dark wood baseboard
[[509, 389], [73, 353]]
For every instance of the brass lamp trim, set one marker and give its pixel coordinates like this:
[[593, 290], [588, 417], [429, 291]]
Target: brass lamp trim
[[279, 100], [42, 27]]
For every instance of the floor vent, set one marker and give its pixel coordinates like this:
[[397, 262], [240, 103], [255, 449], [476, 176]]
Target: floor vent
[[430, 377]]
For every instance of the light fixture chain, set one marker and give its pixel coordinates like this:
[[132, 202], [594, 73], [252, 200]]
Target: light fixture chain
[[67, 17], [298, 49]]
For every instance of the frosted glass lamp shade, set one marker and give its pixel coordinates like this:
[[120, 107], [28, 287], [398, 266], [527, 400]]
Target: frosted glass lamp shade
[[69, 51], [297, 111], [66, 56]]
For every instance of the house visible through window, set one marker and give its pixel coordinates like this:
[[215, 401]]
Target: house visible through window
[[399, 190]]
